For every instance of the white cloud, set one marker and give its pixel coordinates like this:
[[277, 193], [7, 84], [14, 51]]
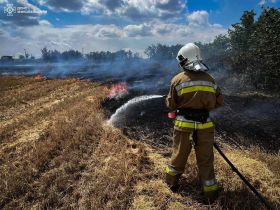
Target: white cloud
[[134, 9], [109, 31], [108, 37], [140, 30], [44, 23], [263, 2], [198, 18]]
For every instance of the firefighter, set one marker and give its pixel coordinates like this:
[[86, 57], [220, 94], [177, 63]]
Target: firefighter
[[193, 93]]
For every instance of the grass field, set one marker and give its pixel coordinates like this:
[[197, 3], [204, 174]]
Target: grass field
[[56, 151]]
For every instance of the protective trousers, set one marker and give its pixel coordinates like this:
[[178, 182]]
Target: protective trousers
[[182, 145]]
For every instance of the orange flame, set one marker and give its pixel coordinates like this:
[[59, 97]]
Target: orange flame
[[118, 90], [38, 77]]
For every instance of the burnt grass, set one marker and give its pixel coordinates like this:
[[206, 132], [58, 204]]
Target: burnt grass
[[244, 121]]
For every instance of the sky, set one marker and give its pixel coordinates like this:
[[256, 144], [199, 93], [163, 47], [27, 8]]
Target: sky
[[101, 25]]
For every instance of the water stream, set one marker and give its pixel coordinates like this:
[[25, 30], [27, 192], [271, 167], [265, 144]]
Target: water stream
[[135, 100]]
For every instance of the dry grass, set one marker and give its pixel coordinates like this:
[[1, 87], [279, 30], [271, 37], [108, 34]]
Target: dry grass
[[58, 152]]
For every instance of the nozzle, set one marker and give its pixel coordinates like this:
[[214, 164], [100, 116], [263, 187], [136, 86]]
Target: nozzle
[[171, 115]]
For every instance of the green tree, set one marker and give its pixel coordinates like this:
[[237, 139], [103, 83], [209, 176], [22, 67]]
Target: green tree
[[241, 41], [265, 49], [216, 54], [160, 51]]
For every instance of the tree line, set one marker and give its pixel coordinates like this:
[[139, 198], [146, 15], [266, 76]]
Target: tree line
[[98, 56], [255, 48]]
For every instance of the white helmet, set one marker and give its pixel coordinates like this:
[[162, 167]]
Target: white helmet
[[189, 58]]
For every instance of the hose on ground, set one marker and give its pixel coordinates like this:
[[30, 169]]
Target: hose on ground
[[252, 188]]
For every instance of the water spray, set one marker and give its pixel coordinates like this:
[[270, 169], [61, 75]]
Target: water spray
[[135, 100]]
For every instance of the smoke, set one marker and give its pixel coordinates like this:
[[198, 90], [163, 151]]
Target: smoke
[[145, 75], [141, 75]]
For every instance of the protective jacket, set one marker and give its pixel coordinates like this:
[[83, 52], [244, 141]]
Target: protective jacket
[[193, 90]]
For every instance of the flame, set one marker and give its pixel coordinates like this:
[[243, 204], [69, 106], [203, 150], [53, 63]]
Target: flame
[[38, 77], [118, 90]]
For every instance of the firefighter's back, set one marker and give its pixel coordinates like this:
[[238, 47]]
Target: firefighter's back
[[195, 90]]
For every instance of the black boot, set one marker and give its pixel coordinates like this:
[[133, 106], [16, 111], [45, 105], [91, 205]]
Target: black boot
[[173, 182], [211, 197]]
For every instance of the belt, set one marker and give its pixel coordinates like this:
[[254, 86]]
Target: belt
[[197, 115]]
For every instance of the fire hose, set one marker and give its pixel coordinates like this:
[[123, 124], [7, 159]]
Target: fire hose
[[252, 188], [172, 115]]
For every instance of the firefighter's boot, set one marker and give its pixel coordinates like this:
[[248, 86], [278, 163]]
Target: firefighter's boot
[[210, 193], [173, 181]]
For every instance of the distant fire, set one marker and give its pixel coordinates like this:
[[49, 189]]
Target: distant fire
[[119, 90], [38, 78]]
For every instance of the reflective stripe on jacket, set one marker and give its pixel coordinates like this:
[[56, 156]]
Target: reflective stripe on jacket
[[192, 86], [184, 123]]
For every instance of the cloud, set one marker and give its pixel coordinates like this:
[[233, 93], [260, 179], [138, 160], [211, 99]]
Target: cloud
[[62, 5], [44, 23], [103, 37], [198, 18], [112, 4], [133, 9], [263, 2], [109, 31], [2, 33], [162, 9], [153, 23], [141, 30]]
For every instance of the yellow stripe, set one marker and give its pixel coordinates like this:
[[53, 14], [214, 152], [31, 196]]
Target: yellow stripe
[[191, 124], [213, 187], [167, 169], [196, 88]]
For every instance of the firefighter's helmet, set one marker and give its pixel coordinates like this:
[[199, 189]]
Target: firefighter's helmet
[[189, 58]]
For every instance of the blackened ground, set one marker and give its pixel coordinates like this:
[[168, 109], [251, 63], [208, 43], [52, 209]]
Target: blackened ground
[[250, 120], [243, 121]]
